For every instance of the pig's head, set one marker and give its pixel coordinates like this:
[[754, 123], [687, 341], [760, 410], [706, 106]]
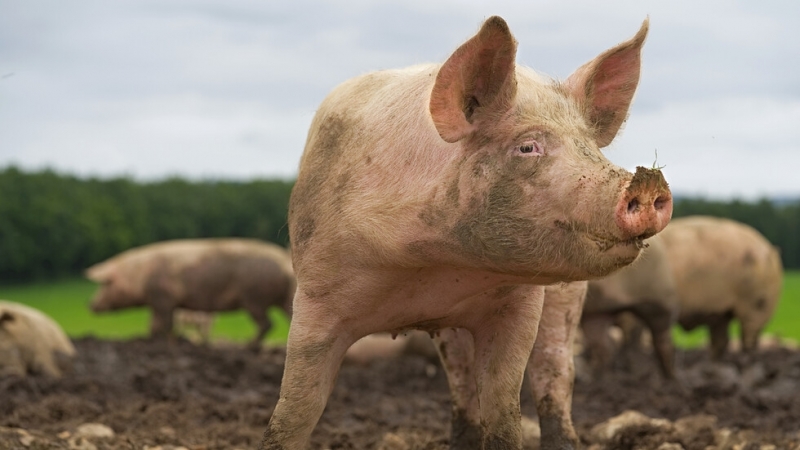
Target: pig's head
[[535, 195], [114, 291]]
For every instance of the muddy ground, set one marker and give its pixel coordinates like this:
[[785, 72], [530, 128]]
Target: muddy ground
[[152, 395]]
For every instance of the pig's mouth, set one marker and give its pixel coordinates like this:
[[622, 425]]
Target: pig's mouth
[[604, 242]]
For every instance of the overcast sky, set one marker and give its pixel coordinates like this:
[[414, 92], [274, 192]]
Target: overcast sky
[[227, 89]]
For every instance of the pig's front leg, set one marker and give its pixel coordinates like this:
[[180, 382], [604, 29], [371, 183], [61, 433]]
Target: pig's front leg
[[457, 353], [485, 405], [503, 342], [551, 368], [314, 351], [161, 322], [263, 322]]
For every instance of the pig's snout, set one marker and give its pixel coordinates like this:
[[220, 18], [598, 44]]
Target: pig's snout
[[646, 205]]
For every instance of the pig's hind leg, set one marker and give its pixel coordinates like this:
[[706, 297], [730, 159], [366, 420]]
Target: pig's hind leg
[[659, 320], [503, 343], [551, 368], [718, 331], [457, 353], [263, 322], [485, 367], [162, 320]]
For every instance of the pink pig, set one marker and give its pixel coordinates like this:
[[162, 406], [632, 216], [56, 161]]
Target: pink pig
[[443, 197]]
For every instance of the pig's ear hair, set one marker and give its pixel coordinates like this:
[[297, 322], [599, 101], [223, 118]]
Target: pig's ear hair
[[478, 80], [605, 86]]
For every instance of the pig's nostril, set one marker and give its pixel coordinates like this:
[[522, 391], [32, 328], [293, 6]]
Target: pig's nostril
[[661, 202], [633, 205]]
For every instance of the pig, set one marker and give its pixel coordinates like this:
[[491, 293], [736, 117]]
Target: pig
[[723, 270], [646, 289], [32, 342], [198, 275], [443, 197]]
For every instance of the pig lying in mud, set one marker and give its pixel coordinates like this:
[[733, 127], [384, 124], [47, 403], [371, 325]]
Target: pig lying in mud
[[30, 341], [200, 275], [646, 289], [723, 270], [443, 198]]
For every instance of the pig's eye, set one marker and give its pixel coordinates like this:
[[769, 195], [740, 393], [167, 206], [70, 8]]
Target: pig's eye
[[530, 148]]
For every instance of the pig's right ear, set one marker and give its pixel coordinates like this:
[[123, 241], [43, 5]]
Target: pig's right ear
[[476, 82]]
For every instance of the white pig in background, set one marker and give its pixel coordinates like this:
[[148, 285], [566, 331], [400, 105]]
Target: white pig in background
[[646, 289], [723, 270], [443, 197], [197, 275], [32, 342]]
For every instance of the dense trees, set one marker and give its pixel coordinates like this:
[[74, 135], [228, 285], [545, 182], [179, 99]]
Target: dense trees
[[56, 225]]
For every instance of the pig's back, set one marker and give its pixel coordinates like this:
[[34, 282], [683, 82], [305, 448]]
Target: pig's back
[[46, 327], [718, 263], [376, 124], [372, 152], [169, 258], [226, 274]]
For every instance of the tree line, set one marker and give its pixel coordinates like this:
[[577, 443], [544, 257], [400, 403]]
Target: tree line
[[779, 223], [55, 225]]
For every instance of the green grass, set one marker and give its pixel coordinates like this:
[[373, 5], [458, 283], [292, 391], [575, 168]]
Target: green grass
[[785, 322], [67, 302]]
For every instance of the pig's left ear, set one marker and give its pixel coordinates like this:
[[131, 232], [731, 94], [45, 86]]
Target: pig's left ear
[[476, 82], [605, 86]]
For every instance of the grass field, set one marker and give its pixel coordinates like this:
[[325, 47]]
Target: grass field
[[67, 303]]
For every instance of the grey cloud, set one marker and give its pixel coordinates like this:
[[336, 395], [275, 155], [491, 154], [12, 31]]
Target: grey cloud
[[89, 72]]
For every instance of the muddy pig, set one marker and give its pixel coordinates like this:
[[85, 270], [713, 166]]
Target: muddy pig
[[646, 289], [30, 341], [200, 275], [444, 196], [723, 270]]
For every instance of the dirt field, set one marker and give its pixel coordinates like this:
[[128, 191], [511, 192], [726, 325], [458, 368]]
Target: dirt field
[[154, 395]]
